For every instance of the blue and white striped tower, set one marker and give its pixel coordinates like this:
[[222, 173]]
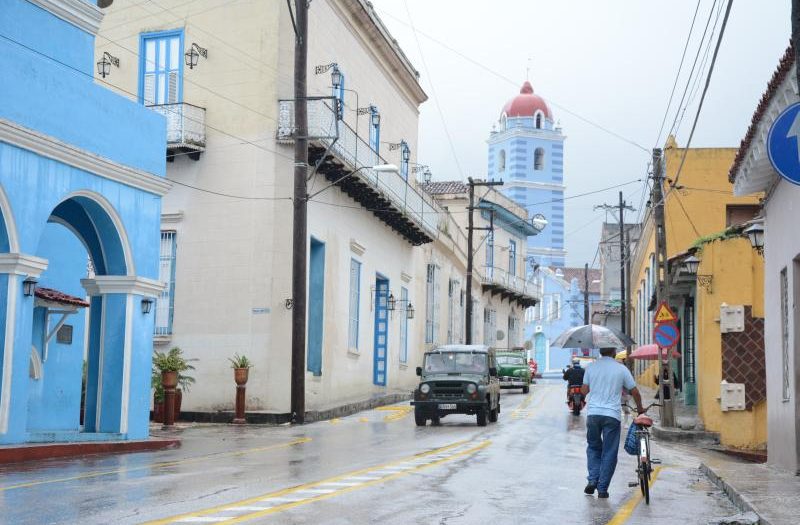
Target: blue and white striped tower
[[526, 151]]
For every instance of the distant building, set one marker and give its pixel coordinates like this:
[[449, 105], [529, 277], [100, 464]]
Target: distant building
[[608, 311], [81, 180], [561, 308], [752, 173], [526, 151]]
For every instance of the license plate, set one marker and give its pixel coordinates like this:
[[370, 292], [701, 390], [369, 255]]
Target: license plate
[[447, 406]]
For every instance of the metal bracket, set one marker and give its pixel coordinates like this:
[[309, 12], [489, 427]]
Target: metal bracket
[[705, 282]]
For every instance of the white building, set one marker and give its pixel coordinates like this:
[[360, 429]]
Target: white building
[[378, 248], [751, 173]]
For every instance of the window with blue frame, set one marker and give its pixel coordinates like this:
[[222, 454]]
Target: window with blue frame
[[161, 68], [405, 158], [512, 257], [374, 129], [404, 326], [355, 298]]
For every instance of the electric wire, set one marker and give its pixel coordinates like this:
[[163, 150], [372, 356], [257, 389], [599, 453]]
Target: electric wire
[[678, 73], [433, 91], [515, 83], [705, 91]]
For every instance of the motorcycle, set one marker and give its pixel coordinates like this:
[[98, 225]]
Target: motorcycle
[[575, 400]]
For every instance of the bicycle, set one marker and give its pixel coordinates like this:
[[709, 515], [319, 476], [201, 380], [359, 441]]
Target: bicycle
[[644, 463]]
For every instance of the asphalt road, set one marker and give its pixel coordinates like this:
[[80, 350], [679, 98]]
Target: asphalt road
[[373, 467]]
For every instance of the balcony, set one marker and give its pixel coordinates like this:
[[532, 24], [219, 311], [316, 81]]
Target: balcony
[[186, 129], [393, 200], [524, 292]]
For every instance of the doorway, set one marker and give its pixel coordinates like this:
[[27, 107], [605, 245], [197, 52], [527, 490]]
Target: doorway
[[381, 330], [316, 306]]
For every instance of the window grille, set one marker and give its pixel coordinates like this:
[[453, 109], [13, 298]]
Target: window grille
[[165, 303], [355, 299]]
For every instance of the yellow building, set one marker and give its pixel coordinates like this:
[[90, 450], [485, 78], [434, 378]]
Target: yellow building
[[697, 211]]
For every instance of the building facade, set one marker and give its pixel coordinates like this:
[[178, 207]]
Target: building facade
[[704, 220], [81, 180], [752, 173], [526, 152], [561, 308], [385, 260]]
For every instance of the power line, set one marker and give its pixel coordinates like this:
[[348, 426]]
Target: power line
[[515, 83], [433, 91], [705, 90], [241, 197], [678, 73]]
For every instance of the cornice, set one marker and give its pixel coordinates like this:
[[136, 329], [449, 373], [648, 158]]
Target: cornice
[[122, 284], [22, 264], [79, 13], [52, 148], [534, 185]]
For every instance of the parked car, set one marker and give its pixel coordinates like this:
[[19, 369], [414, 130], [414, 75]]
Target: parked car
[[457, 379], [513, 371]]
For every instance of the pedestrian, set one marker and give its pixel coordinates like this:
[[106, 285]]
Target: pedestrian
[[603, 383], [667, 390]]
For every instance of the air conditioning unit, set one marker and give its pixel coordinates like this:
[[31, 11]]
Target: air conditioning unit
[[538, 329]]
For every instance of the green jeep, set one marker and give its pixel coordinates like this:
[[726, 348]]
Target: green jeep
[[457, 379], [513, 371]]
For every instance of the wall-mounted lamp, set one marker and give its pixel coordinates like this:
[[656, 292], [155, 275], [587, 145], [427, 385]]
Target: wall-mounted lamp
[[391, 302], [691, 265], [147, 305], [105, 63], [193, 55], [405, 151], [755, 232], [376, 117], [410, 311], [29, 286]]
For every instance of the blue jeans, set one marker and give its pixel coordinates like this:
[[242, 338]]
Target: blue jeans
[[602, 437]]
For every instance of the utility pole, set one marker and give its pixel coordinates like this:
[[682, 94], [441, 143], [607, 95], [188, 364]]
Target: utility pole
[[299, 224], [662, 280], [586, 319], [796, 36], [470, 228], [620, 209]]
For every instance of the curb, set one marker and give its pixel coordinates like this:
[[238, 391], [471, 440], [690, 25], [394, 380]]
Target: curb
[[735, 496], [37, 452], [685, 436], [312, 416]]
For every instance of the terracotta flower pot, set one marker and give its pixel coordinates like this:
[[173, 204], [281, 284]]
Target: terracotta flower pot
[[240, 375], [169, 380]]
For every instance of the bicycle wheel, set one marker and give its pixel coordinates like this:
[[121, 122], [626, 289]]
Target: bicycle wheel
[[644, 481]]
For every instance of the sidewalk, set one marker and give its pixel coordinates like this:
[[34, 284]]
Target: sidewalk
[[769, 493], [688, 427]]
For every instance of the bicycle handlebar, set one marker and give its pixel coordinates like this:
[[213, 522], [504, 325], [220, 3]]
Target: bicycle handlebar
[[648, 407]]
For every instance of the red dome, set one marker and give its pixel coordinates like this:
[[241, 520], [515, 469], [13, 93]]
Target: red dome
[[526, 104]]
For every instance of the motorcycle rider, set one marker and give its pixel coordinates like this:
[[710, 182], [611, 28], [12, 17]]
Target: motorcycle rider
[[573, 375]]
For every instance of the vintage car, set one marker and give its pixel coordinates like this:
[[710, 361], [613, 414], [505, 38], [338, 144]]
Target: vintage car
[[513, 371], [457, 379]]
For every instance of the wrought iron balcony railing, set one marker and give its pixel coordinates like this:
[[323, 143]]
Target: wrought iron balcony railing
[[186, 129], [354, 153], [499, 280]]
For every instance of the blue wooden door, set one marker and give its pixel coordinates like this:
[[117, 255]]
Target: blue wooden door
[[381, 331]]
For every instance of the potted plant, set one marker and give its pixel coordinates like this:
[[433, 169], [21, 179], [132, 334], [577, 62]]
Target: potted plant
[[241, 368], [169, 372], [158, 395]]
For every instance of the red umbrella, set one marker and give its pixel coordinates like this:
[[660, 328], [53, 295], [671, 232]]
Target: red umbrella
[[650, 353]]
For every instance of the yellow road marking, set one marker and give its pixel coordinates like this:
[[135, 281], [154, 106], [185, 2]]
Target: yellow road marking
[[522, 411], [363, 420], [366, 482], [162, 464], [627, 509], [334, 421], [398, 412]]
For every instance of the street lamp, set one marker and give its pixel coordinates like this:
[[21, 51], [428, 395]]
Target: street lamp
[[376, 116], [391, 302], [29, 286], [410, 311], [691, 264], [105, 63], [193, 55], [147, 305], [755, 232], [336, 77]]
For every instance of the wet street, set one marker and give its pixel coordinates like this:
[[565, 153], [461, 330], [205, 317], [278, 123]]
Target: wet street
[[372, 467]]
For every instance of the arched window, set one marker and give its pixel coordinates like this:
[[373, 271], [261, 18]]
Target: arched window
[[501, 160], [538, 121], [538, 159]]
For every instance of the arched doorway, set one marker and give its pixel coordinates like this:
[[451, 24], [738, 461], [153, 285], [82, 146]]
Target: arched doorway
[[81, 344]]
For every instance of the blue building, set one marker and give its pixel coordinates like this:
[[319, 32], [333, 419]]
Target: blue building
[[81, 180], [561, 308], [526, 151]]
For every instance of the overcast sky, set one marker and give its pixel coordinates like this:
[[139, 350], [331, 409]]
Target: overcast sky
[[609, 62]]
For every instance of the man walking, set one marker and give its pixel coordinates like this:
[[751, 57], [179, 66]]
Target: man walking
[[603, 382]]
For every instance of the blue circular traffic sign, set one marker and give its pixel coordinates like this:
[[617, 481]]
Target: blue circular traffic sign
[[666, 334], [783, 144]]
